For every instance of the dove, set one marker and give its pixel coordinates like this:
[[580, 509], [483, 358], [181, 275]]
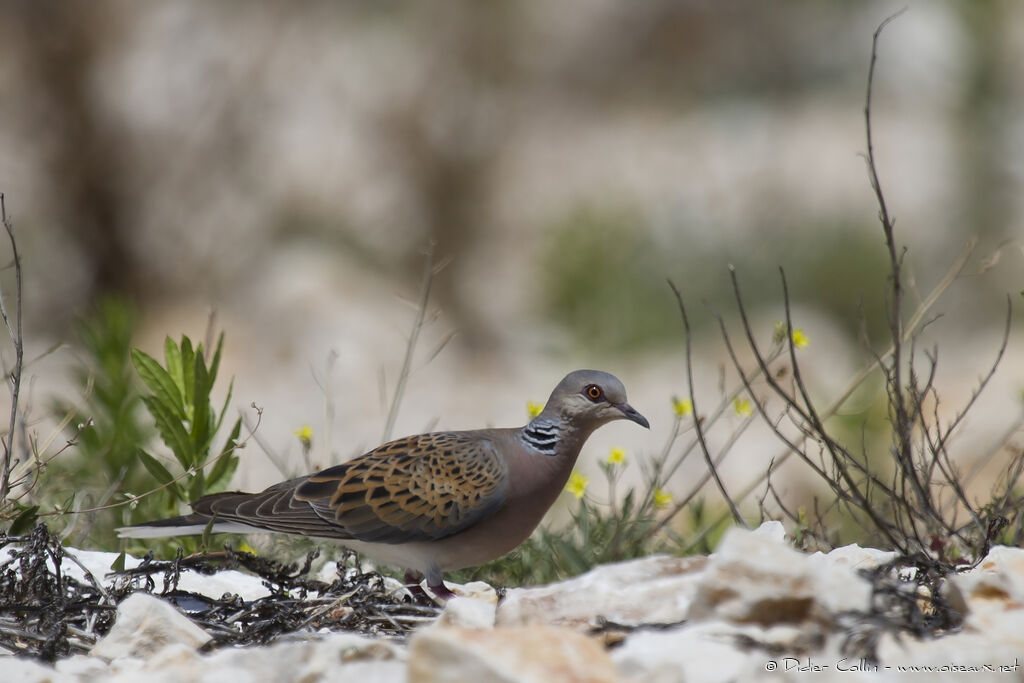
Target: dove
[[428, 503]]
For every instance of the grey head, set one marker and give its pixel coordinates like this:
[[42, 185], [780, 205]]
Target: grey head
[[587, 399]]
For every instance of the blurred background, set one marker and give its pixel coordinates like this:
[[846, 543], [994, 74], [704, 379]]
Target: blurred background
[[284, 166]]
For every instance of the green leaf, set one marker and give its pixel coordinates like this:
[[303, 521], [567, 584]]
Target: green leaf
[[222, 470], [206, 541], [188, 365], [197, 487], [627, 505], [202, 417], [172, 357], [118, 564], [215, 364], [161, 474], [224, 408], [220, 475], [24, 522], [159, 382], [171, 431], [575, 560]]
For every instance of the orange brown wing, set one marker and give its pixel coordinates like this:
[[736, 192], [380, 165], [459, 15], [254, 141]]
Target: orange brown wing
[[419, 488]]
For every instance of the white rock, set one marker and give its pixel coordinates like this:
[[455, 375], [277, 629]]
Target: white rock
[[82, 666], [999, 577], [337, 656], [29, 671], [854, 556], [537, 654], [654, 589], [992, 596], [694, 653], [840, 587], [997, 651], [145, 625], [478, 590], [752, 578], [467, 613], [771, 530], [714, 651]]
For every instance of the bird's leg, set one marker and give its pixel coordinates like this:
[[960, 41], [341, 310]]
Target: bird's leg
[[435, 582], [441, 591], [412, 582]]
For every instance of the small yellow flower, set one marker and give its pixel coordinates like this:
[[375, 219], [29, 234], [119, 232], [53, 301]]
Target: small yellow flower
[[577, 485], [742, 407], [305, 434], [246, 548], [533, 409], [617, 456], [662, 498], [682, 406], [800, 339]]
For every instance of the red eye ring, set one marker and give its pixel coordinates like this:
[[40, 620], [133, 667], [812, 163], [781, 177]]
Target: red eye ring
[[593, 392]]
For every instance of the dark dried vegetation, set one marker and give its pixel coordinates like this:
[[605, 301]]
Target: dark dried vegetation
[[46, 614]]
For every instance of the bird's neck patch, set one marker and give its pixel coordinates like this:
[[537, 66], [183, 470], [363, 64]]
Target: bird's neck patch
[[543, 436]]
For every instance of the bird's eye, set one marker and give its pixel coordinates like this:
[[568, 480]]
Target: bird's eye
[[593, 392]]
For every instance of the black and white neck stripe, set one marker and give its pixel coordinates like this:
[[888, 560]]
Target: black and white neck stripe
[[542, 436]]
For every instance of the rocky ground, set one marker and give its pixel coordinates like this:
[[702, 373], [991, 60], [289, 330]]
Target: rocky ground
[[754, 610]]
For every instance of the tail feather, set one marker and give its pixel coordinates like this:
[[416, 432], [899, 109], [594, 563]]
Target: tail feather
[[185, 525]]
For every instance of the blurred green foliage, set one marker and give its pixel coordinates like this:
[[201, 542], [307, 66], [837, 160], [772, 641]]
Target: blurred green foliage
[[604, 280], [604, 276], [109, 466], [104, 460]]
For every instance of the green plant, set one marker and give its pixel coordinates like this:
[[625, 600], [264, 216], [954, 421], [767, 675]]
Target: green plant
[[111, 479], [179, 401], [106, 426]]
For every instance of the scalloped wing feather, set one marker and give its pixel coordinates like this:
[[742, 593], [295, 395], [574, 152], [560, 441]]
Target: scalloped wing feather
[[419, 488]]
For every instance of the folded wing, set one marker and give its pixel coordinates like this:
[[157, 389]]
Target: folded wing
[[420, 488]]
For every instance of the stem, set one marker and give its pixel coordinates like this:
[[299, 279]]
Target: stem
[[19, 353]]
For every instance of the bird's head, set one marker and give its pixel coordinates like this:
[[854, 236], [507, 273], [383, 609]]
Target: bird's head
[[587, 399]]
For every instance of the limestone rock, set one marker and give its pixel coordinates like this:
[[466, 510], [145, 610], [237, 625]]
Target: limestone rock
[[652, 590], [998, 578], [540, 654], [467, 613], [697, 653], [840, 587], [772, 530], [755, 579], [144, 625], [992, 597], [338, 656], [83, 667], [477, 590], [29, 671]]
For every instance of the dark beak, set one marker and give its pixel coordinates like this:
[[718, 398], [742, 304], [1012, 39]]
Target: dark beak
[[629, 412]]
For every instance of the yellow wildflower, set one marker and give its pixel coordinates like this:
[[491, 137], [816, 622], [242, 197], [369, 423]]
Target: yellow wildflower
[[742, 407], [682, 406], [534, 409], [662, 498], [800, 339], [577, 485], [617, 456], [305, 434]]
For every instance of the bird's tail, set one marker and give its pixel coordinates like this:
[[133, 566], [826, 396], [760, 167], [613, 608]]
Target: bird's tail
[[185, 525]]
